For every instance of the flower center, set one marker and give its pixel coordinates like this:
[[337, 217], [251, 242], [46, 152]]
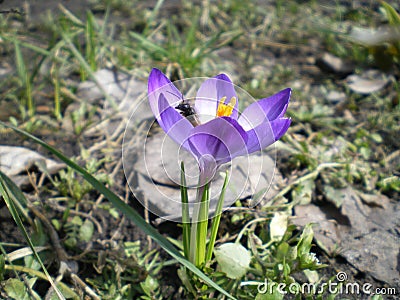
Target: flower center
[[225, 110]]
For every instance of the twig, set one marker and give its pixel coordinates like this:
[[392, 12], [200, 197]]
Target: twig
[[392, 156], [306, 177], [12, 11], [85, 287], [60, 252]]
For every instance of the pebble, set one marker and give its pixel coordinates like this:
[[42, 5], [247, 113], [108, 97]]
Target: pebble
[[336, 97], [333, 64]]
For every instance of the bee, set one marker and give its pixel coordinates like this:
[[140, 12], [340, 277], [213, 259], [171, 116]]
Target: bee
[[187, 111], [185, 108]]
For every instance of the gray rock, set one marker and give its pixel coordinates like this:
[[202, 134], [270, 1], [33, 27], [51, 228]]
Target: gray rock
[[336, 97], [325, 229], [5, 71], [369, 82], [15, 161], [116, 96], [374, 37], [333, 64], [158, 177], [364, 227]]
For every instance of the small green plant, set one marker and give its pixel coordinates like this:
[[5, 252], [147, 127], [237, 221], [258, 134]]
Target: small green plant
[[25, 81], [69, 185], [184, 51]]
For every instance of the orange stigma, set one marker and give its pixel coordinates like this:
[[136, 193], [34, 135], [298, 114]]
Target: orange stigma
[[225, 110]]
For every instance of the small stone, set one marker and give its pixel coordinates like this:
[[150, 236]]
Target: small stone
[[348, 115], [16, 161], [336, 97], [333, 64], [127, 98], [374, 37], [297, 84], [369, 82], [5, 71], [325, 229]]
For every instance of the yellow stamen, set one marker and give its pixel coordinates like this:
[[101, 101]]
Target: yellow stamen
[[225, 110]]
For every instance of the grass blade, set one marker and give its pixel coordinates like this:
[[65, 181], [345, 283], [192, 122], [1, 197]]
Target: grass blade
[[148, 45], [216, 220], [126, 209], [90, 41], [87, 69], [7, 190], [24, 77], [185, 213], [202, 226]]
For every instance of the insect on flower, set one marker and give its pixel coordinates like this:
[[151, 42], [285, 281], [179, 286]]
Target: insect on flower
[[187, 110]]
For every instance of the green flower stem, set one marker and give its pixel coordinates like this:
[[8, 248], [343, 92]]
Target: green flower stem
[[216, 220], [57, 98], [193, 233], [198, 235], [185, 213], [202, 227]]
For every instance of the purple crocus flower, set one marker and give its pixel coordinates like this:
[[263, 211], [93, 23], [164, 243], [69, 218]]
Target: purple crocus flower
[[219, 133]]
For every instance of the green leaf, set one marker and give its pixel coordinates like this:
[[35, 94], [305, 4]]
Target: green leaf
[[149, 285], [76, 220], [312, 276], [377, 297], [216, 220], [335, 196], [304, 244], [365, 152], [148, 45], [391, 13], [185, 213], [286, 253], [86, 231], [376, 137], [16, 289], [183, 276], [302, 194], [2, 263], [61, 287], [292, 253], [278, 226], [233, 258]]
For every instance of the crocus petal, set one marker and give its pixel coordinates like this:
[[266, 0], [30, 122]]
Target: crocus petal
[[159, 84], [271, 108], [280, 126], [259, 137], [209, 94], [222, 138], [176, 126]]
